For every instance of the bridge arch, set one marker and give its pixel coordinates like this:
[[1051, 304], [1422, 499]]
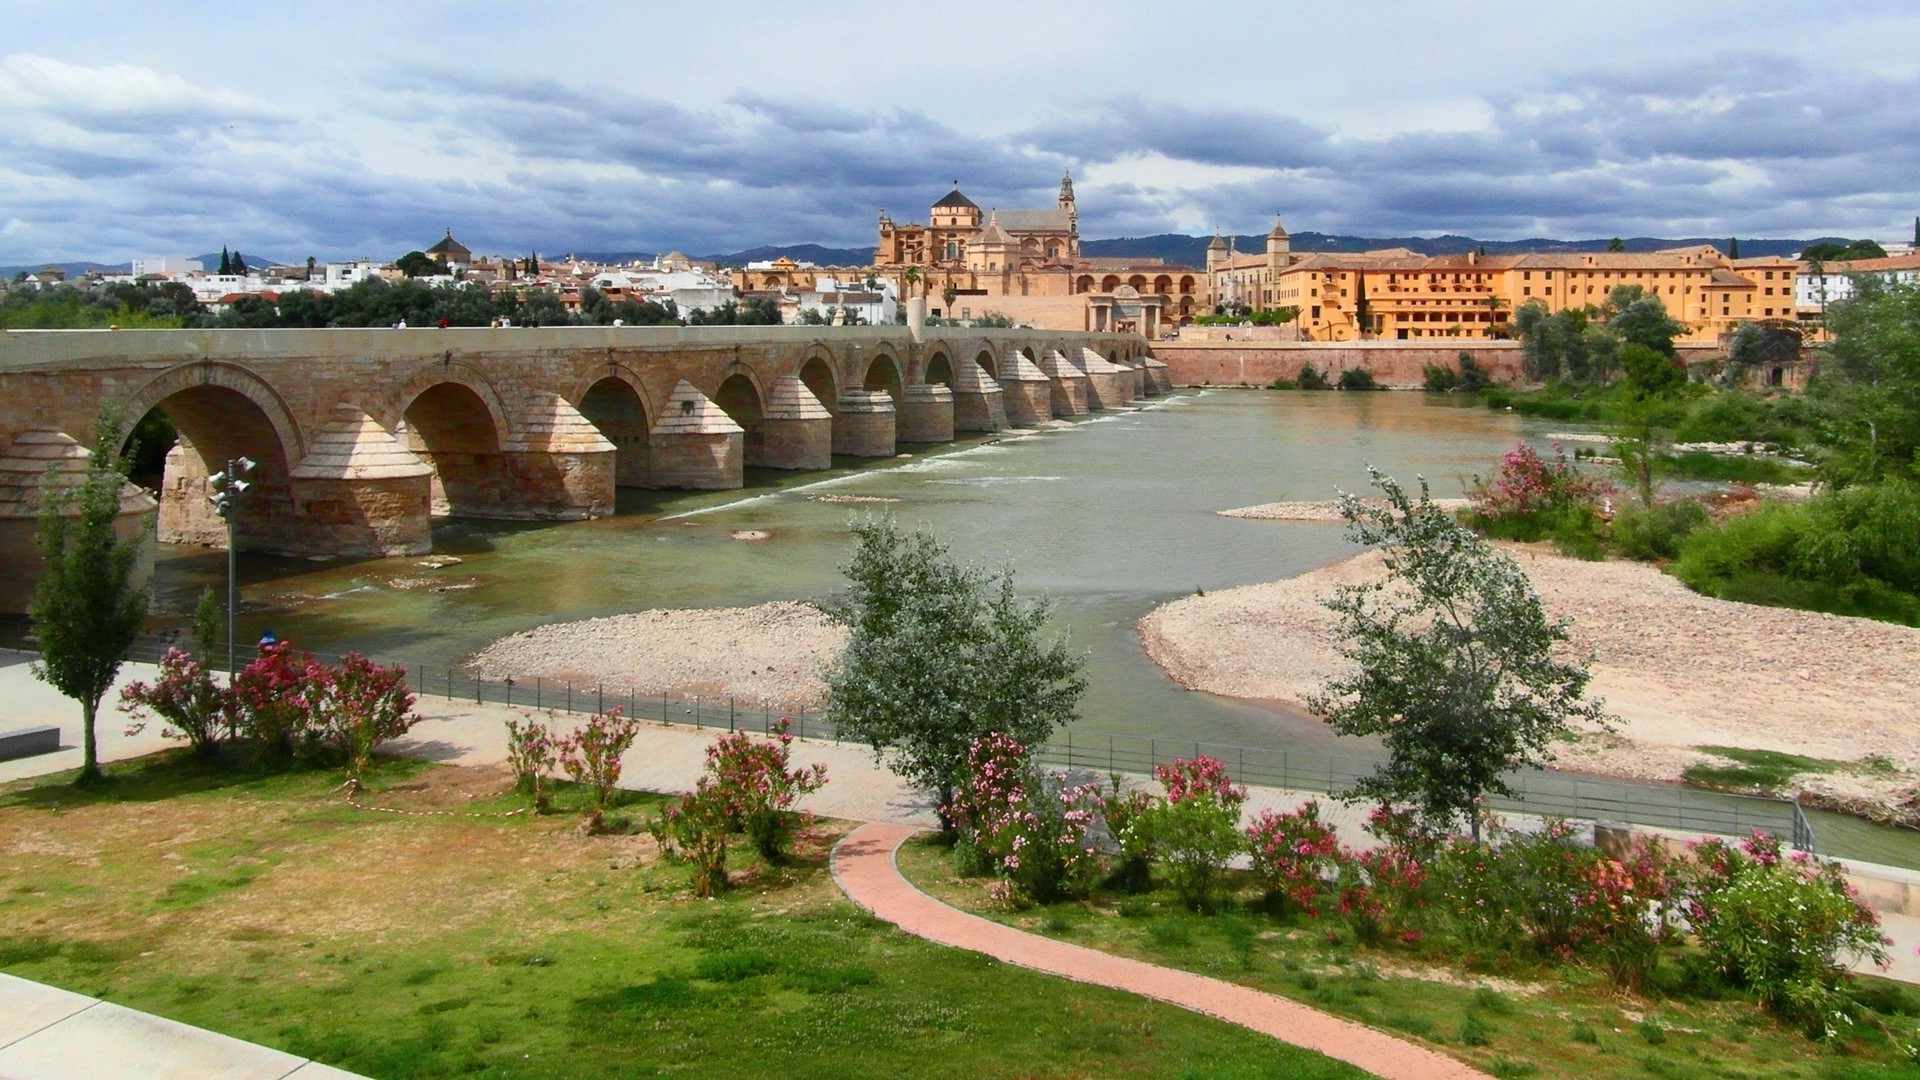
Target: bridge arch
[[616, 404], [740, 397], [988, 364], [454, 422], [883, 373], [817, 373], [940, 369], [221, 412]]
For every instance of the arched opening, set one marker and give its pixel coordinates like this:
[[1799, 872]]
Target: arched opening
[[882, 374], [985, 360], [1186, 284], [818, 377], [449, 427], [740, 400], [1138, 281], [1084, 285], [1109, 283], [192, 434], [613, 406], [1163, 284], [940, 371]]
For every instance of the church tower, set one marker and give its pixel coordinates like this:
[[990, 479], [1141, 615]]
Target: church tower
[[1279, 246], [1073, 214]]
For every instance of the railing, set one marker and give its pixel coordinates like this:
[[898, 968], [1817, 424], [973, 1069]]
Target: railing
[[1559, 794]]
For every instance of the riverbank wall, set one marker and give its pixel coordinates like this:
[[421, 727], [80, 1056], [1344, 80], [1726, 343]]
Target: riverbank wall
[[1398, 365]]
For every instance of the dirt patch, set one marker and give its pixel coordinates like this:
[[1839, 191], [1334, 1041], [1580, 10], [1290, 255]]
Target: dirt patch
[[769, 654], [1679, 669], [1324, 511]]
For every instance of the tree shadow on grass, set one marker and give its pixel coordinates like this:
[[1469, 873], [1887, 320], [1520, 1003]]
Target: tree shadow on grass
[[179, 772]]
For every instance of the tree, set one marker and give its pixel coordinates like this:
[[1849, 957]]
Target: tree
[[239, 263], [1733, 247], [1616, 245], [1453, 662], [226, 261], [90, 606], [946, 297], [310, 266], [1647, 410], [418, 264], [1870, 384], [909, 277], [938, 655], [1643, 320]]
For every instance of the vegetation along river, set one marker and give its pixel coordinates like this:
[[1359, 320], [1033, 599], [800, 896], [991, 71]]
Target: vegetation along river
[[1111, 517]]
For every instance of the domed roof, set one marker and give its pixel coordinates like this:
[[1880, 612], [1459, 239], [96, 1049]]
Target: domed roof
[[955, 201]]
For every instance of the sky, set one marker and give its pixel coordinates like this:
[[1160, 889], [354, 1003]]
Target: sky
[[346, 130]]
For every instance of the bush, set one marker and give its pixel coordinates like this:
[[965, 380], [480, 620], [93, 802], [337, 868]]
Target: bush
[[1311, 378], [1357, 379], [694, 830], [1530, 498], [185, 698], [1196, 829], [1782, 927], [532, 752], [1654, 532], [1030, 827], [591, 756], [1467, 376], [758, 787], [1295, 855], [1439, 378], [1133, 864], [292, 707]]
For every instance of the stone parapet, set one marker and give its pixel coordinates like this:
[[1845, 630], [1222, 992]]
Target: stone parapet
[[1069, 383], [864, 426], [978, 401], [796, 431], [696, 444], [33, 462], [1109, 385], [925, 415]]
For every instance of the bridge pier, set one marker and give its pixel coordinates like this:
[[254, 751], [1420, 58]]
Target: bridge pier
[[696, 444], [1069, 394], [23, 483], [978, 401], [925, 415], [1107, 383], [864, 426], [796, 430], [1029, 393], [560, 468], [1158, 377], [359, 492]]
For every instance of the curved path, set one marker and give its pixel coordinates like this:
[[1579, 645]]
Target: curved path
[[863, 864]]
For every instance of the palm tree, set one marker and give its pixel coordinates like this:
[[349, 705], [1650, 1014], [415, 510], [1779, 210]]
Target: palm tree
[[1494, 303], [910, 277]]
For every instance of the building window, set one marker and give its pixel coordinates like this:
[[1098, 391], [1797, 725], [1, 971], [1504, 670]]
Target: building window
[[1316, 311], [1528, 291]]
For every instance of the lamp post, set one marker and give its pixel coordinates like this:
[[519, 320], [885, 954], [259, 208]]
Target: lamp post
[[223, 491]]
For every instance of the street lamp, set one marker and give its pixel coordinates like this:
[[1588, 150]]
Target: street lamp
[[223, 491]]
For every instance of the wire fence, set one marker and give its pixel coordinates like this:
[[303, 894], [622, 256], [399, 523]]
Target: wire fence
[[1557, 794]]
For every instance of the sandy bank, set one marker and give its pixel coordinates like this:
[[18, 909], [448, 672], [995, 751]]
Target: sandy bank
[[1327, 511], [1680, 670], [771, 653]]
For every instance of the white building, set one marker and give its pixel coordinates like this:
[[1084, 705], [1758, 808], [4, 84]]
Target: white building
[[1834, 282], [835, 299], [348, 274], [166, 265], [688, 289]]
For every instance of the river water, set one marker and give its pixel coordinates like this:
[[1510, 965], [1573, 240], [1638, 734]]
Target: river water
[[1110, 517]]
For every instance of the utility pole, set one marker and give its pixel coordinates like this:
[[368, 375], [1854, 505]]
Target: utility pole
[[223, 491]]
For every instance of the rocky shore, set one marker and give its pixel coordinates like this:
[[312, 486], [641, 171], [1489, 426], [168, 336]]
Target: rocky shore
[[1327, 511], [768, 654], [1679, 670]]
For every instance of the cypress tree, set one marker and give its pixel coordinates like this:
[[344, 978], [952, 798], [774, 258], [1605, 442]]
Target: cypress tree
[[1733, 247], [239, 263], [226, 261]]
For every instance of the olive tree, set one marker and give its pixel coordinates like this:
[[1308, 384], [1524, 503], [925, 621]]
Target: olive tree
[[90, 605], [1454, 662], [939, 654]]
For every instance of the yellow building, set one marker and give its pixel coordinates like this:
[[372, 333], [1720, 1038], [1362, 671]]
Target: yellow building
[[1399, 295]]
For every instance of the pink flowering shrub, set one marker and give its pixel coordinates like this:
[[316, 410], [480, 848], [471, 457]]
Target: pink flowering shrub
[[591, 756], [357, 706], [1029, 827], [1196, 829], [1295, 855], [1527, 484], [1124, 809], [695, 830], [289, 706], [759, 788], [532, 753], [185, 698], [1782, 926], [273, 701]]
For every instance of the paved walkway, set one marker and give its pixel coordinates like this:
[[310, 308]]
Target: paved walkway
[[863, 863], [52, 1034]]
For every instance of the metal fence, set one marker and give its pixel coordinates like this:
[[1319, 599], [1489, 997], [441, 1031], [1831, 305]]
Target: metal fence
[[1542, 792]]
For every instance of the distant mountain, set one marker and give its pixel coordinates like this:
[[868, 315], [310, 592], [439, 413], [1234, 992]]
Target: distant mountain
[[73, 269], [1185, 250], [254, 262], [813, 253]]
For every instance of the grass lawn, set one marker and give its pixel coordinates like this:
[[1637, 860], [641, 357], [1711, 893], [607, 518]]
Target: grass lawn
[[436, 945], [1509, 1016]]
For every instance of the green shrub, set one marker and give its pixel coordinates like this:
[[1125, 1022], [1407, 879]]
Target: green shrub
[[1655, 532], [1354, 378], [1311, 378], [1584, 1033], [1439, 378], [1474, 1031]]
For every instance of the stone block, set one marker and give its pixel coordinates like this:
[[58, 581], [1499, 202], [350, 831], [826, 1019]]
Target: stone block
[[978, 401], [29, 742], [796, 430], [864, 426], [696, 444], [925, 414], [1069, 394], [24, 478]]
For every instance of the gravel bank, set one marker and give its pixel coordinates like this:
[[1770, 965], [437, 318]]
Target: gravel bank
[[771, 653], [1318, 511], [1678, 669]]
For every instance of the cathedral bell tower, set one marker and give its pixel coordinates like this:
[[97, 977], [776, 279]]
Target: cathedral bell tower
[[1073, 214]]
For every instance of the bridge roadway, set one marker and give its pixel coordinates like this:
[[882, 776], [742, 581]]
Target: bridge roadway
[[364, 436]]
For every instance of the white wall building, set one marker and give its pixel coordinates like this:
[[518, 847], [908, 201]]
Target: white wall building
[[1834, 282], [836, 299], [166, 265]]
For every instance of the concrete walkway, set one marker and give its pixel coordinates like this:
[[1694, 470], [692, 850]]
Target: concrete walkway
[[863, 863], [51, 1034]]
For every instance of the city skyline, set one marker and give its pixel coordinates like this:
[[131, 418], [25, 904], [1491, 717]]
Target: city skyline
[[303, 133]]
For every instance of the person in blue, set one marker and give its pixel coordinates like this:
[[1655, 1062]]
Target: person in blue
[[268, 638]]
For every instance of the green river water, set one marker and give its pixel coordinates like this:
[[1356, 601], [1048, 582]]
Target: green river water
[[1111, 517]]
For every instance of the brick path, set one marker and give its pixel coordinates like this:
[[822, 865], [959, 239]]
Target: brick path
[[864, 866]]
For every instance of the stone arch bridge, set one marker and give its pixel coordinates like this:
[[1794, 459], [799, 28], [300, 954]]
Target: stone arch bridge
[[364, 436]]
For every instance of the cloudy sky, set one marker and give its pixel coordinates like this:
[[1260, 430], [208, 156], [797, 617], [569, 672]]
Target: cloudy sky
[[349, 129]]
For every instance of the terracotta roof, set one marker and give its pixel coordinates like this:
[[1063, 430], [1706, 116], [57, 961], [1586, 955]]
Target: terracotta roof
[[1868, 266], [993, 233]]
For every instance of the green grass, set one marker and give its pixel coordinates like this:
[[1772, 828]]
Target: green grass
[[492, 946], [1731, 468], [1509, 1016], [1765, 770]]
